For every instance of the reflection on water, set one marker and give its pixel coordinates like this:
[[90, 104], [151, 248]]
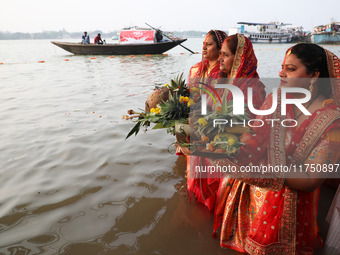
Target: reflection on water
[[70, 182]]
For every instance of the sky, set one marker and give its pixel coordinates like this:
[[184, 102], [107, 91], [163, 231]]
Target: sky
[[175, 15]]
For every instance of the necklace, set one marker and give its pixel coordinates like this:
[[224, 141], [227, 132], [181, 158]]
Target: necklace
[[310, 103]]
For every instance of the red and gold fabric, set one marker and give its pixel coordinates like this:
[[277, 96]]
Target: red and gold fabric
[[202, 72], [263, 216], [244, 69]]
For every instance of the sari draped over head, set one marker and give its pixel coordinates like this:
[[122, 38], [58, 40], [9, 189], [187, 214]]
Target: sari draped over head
[[263, 216], [202, 72], [243, 72]]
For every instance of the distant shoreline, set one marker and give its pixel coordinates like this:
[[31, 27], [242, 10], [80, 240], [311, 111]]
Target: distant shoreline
[[63, 34]]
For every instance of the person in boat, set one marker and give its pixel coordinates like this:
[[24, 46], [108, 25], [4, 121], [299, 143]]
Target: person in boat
[[277, 213], [237, 62], [85, 38], [159, 36], [98, 39]]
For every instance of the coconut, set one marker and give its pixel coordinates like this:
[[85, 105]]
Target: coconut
[[157, 96]]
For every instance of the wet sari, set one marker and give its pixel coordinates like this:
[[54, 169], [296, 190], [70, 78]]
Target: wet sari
[[244, 70], [263, 216]]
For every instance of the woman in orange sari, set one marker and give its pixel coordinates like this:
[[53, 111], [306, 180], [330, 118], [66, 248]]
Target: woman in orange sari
[[278, 215], [238, 63]]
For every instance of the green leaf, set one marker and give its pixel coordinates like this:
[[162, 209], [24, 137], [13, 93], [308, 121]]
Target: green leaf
[[134, 130], [158, 126]]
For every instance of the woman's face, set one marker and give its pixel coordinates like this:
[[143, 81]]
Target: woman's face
[[210, 50], [226, 59], [294, 73]]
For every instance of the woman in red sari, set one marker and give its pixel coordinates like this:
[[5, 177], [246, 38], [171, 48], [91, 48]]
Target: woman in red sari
[[207, 70], [238, 63], [209, 67], [278, 215]]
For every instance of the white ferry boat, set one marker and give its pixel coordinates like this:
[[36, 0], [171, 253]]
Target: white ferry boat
[[273, 32]]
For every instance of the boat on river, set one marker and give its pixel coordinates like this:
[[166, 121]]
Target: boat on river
[[273, 32], [327, 34], [132, 41]]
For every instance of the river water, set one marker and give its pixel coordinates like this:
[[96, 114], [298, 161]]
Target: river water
[[69, 181]]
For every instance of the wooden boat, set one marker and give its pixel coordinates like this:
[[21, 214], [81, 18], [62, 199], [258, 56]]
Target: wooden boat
[[132, 41], [119, 49]]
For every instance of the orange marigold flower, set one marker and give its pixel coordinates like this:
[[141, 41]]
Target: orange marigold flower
[[219, 109], [328, 102], [211, 147], [205, 139]]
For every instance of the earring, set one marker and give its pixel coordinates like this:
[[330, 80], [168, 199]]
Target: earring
[[311, 86]]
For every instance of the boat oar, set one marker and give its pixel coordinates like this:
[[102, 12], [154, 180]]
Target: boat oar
[[158, 30]]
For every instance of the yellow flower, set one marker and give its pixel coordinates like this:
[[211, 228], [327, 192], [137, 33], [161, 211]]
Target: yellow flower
[[183, 99], [155, 110], [166, 85], [188, 104], [231, 141], [202, 121]]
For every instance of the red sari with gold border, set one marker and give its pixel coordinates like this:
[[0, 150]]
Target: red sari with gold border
[[244, 70], [263, 216]]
